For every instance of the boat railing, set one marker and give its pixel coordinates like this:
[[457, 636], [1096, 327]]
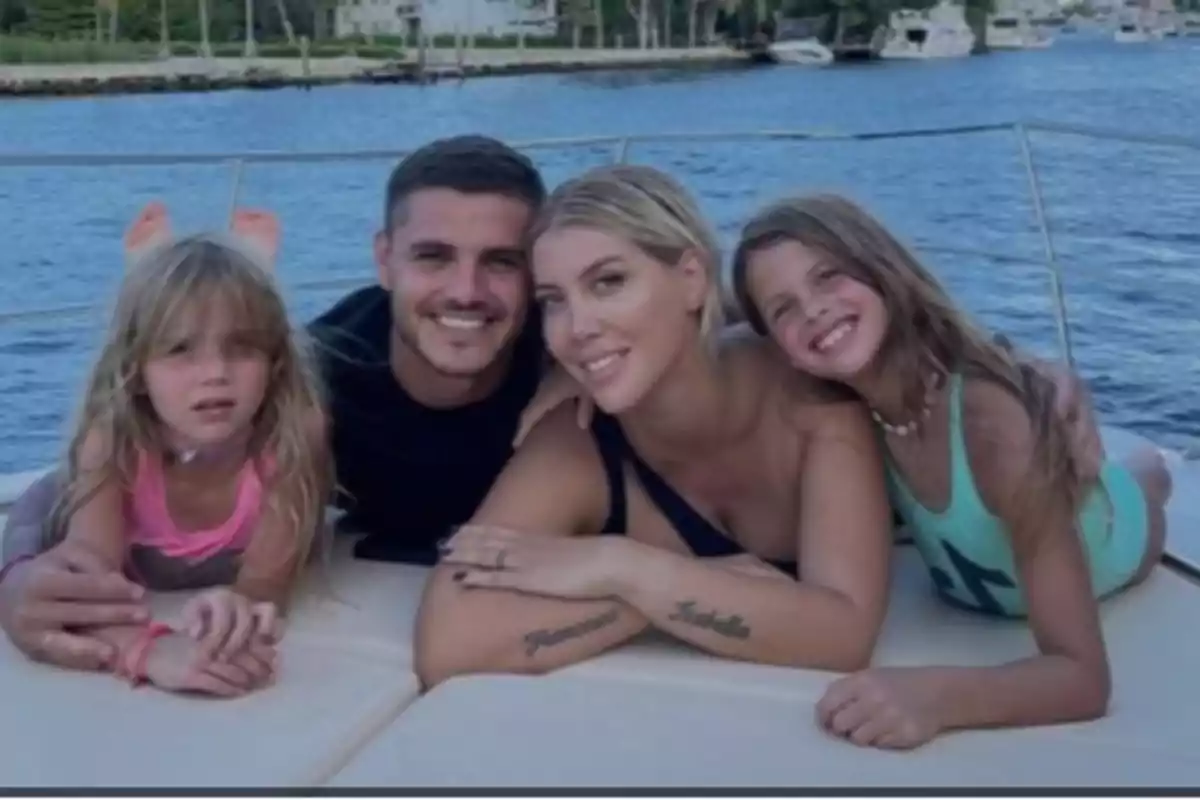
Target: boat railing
[[622, 148]]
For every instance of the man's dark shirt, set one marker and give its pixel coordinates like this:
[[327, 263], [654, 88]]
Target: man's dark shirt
[[407, 473]]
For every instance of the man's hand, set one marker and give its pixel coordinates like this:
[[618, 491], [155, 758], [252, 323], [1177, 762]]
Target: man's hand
[[65, 588], [1072, 403]]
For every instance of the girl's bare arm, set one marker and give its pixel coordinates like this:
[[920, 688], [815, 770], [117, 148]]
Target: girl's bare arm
[[1068, 680], [271, 561]]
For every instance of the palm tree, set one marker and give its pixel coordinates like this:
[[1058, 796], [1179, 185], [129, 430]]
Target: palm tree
[[205, 44], [642, 17], [250, 48], [164, 31], [286, 21]]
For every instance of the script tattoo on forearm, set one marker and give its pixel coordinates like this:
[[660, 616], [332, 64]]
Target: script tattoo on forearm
[[536, 640], [732, 626]]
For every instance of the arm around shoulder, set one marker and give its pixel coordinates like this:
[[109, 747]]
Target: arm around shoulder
[[553, 485]]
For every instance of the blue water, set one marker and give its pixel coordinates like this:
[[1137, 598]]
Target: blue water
[[1126, 218]]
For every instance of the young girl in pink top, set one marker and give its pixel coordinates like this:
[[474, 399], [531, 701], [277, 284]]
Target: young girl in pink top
[[200, 458]]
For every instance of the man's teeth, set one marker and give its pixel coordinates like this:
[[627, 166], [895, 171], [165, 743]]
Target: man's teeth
[[600, 363], [461, 323], [833, 337]]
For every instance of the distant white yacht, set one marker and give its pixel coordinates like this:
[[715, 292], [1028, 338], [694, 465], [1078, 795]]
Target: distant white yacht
[[937, 32], [804, 52], [1013, 25], [1144, 21], [1015, 31]]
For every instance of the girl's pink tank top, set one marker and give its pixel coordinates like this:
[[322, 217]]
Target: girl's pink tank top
[[150, 523]]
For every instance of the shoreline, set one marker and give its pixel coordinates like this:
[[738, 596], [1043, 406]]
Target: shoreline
[[196, 74]]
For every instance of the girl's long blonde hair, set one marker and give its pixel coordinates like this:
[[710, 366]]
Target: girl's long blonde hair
[[196, 272], [926, 330]]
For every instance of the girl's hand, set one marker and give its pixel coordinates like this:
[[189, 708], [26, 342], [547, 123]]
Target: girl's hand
[[555, 389], [895, 708], [553, 566], [179, 663], [223, 622]]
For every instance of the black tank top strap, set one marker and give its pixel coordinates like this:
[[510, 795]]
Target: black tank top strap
[[610, 441], [701, 536], [704, 539]]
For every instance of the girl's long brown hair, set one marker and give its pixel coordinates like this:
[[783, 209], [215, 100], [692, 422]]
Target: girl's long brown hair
[[926, 330], [196, 272]]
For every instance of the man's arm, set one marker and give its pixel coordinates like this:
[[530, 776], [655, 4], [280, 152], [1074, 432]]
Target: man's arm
[[28, 517], [553, 485], [1071, 402]]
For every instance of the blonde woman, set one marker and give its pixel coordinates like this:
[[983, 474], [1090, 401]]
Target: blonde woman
[[745, 504], [199, 458]]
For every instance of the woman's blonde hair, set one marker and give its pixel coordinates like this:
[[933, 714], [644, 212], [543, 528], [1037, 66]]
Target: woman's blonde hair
[[194, 273], [926, 330], [646, 208]]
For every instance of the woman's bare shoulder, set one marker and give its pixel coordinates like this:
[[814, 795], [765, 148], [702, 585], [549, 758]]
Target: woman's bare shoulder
[[559, 436], [554, 483], [759, 361]]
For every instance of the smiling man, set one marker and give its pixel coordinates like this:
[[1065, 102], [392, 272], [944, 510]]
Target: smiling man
[[428, 372]]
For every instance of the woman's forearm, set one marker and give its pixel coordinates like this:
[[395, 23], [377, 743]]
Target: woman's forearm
[[750, 617], [462, 630], [1043, 690]]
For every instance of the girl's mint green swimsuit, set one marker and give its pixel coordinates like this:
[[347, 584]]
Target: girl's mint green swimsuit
[[968, 550]]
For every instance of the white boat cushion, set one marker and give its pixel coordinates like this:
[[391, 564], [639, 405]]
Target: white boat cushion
[[73, 729], [573, 731], [661, 714]]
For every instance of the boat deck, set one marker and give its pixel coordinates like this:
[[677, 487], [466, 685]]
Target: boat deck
[[346, 712]]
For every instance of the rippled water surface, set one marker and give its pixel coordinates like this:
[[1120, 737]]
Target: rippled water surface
[[1125, 218]]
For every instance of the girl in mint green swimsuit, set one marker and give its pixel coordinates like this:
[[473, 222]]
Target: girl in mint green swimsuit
[[981, 468]]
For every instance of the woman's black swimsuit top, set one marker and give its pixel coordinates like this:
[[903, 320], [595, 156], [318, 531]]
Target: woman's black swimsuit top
[[703, 538]]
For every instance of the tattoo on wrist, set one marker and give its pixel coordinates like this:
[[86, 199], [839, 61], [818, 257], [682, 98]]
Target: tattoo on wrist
[[536, 640], [732, 626]]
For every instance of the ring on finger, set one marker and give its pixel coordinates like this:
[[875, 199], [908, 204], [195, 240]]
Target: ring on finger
[[500, 558]]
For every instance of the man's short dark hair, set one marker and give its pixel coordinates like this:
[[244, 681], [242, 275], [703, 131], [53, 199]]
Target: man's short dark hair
[[467, 164]]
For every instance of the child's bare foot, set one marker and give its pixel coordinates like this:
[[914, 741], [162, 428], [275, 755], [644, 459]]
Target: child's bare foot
[[149, 229], [260, 229]]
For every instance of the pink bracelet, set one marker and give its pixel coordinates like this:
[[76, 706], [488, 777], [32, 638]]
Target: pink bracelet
[[131, 666], [7, 568]]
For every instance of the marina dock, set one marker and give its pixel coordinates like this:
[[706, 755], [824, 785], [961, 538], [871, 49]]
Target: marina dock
[[210, 74]]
